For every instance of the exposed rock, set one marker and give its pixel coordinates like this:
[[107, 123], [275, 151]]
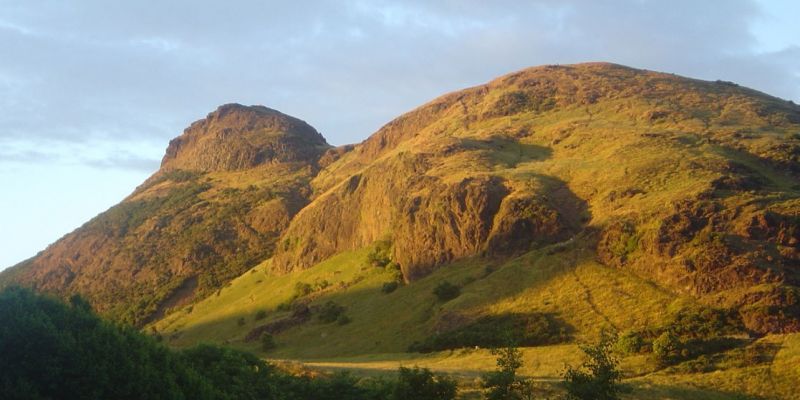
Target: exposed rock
[[236, 137]]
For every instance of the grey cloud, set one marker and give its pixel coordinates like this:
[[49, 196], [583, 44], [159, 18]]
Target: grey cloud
[[141, 71], [61, 153]]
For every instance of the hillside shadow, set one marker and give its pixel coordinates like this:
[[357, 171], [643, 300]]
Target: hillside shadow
[[505, 150]]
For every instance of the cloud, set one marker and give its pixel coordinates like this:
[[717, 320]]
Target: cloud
[[138, 72], [101, 155]]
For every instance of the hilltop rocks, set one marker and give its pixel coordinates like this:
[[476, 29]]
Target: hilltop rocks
[[236, 137]]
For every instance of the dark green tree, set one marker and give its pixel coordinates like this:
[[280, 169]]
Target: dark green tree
[[598, 377], [422, 384], [504, 383]]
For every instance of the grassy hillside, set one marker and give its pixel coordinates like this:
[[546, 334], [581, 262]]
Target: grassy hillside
[[562, 280], [549, 204]]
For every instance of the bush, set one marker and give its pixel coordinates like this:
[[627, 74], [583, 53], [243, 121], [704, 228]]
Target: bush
[[343, 319], [705, 323], [422, 384], [667, 348], [261, 314], [241, 321], [446, 291], [629, 343], [267, 342], [597, 378], [330, 312], [379, 256], [389, 287], [302, 289]]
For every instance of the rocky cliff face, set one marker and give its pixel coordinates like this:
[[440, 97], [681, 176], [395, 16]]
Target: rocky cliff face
[[690, 184]]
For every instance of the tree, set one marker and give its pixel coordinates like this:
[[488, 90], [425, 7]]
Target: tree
[[598, 377], [503, 383], [421, 384], [667, 348]]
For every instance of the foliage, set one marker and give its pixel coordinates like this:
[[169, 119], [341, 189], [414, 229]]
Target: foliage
[[267, 342], [705, 323], [695, 332], [598, 377], [626, 243], [667, 347], [496, 330], [302, 289], [51, 350], [380, 255], [331, 312], [422, 384], [446, 291], [389, 287], [629, 343], [504, 383]]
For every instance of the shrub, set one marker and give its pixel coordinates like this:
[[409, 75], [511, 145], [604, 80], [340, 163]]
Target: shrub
[[597, 378], [261, 314], [267, 342], [302, 289], [503, 383], [629, 343], [343, 319], [667, 348], [379, 256], [446, 291], [421, 384], [389, 287], [705, 323], [330, 312], [241, 321]]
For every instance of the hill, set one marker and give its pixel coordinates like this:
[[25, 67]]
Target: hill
[[561, 199], [226, 190], [690, 184]]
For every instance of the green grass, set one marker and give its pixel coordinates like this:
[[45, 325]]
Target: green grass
[[569, 285], [567, 282]]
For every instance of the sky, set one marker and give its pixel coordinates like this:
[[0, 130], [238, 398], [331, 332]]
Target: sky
[[92, 91]]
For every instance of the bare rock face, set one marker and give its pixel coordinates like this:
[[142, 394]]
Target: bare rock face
[[236, 137]]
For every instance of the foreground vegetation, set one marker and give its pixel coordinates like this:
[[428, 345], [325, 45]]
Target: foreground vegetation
[[56, 350], [52, 350]]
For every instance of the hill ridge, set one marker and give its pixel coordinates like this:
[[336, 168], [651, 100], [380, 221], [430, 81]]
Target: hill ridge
[[688, 183]]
